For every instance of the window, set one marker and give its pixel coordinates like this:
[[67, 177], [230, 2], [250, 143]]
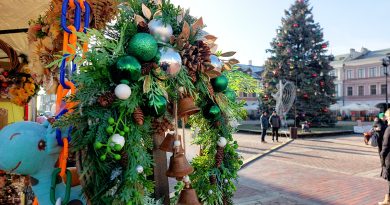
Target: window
[[372, 72], [245, 95], [349, 91], [360, 73], [336, 89], [383, 89], [349, 74], [361, 90], [373, 89], [332, 73], [254, 95]]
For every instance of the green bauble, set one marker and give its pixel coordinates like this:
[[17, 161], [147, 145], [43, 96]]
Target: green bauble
[[159, 107], [230, 94], [219, 83], [214, 111], [126, 68], [143, 46]]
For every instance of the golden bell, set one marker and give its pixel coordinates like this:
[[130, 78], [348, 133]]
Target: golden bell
[[179, 166], [188, 197], [187, 107], [167, 144]]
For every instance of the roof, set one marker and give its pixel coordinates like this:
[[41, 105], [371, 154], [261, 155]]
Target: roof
[[254, 71], [364, 56]]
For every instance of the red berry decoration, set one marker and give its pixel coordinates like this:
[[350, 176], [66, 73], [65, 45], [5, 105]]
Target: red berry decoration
[[295, 25], [280, 44], [266, 97], [322, 83], [324, 45], [5, 74], [314, 75], [306, 96], [4, 84]]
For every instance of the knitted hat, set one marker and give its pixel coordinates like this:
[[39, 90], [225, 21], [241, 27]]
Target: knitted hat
[[381, 115]]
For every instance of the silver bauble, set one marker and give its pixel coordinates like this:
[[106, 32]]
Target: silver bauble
[[170, 61], [216, 63], [161, 32]]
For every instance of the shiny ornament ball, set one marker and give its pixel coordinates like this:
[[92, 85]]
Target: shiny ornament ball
[[210, 192], [122, 91], [127, 68], [225, 181], [116, 140], [222, 142], [176, 143], [162, 32], [143, 46], [216, 62], [170, 61], [139, 169], [295, 25], [219, 83], [324, 45], [214, 111], [186, 179], [230, 94], [159, 107]]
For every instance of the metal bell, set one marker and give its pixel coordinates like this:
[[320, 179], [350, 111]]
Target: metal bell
[[187, 107], [167, 144], [179, 166], [188, 197]]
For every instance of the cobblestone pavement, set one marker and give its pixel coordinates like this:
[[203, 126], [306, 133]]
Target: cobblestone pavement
[[334, 170]]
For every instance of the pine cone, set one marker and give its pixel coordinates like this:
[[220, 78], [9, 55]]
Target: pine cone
[[106, 99], [213, 179], [138, 116], [195, 57], [219, 156], [148, 67], [124, 159], [142, 27], [226, 200], [160, 127]]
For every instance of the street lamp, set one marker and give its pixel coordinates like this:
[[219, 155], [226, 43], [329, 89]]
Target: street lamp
[[386, 63]]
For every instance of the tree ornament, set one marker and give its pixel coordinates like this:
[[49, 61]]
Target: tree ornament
[[186, 179], [128, 68], [222, 142], [295, 25], [143, 46], [106, 99], [226, 181], [216, 62], [266, 97], [322, 83], [138, 116], [116, 142], [211, 192], [170, 61], [139, 169], [122, 91], [280, 44], [230, 94], [314, 75], [219, 156], [214, 111], [160, 31], [157, 107], [306, 96], [219, 83], [324, 45]]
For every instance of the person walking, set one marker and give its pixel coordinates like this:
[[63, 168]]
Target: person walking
[[385, 159], [275, 123], [379, 128], [264, 125]]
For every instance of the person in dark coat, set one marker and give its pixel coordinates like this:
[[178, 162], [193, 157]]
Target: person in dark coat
[[275, 123], [264, 125], [379, 128], [385, 159]]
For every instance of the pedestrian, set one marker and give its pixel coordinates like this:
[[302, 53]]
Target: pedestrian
[[275, 123], [379, 128], [264, 125], [385, 159]]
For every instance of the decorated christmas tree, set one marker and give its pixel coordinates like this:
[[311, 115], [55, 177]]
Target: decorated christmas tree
[[299, 54]]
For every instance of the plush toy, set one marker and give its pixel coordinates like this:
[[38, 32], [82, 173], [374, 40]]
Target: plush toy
[[29, 148]]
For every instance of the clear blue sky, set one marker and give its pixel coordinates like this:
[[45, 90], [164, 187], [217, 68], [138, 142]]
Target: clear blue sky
[[248, 26]]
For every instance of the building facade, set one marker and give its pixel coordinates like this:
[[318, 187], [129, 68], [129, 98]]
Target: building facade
[[361, 78], [252, 99]]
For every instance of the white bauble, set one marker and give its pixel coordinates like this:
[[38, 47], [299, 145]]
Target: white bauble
[[225, 181], [222, 142], [117, 139], [160, 31], [186, 179], [211, 192], [139, 169], [122, 91], [176, 143]]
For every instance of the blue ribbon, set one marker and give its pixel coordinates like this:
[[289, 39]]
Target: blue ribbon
[[86, 16], [63, 72], [58, 130], [77, 16]]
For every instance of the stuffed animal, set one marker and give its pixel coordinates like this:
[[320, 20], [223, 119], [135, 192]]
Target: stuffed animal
[[29, 148]]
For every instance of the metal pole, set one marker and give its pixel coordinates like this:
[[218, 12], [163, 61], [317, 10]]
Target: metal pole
[[386, 88]]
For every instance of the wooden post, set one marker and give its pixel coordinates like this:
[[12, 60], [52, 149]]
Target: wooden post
[[160, 168]]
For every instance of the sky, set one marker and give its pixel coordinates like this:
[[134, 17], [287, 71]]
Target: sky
[[248, 26]]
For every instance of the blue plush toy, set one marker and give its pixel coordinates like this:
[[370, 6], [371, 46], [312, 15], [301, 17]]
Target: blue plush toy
[[30, 148]]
